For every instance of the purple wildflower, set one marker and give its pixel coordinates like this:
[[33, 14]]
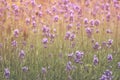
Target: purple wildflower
[[115, 1], [14, 6], [89, 32], [87, 2], [69, 66], [79, 56], [103, 77], [76, 7], [45, 41], [78, 26], [86, 21], [97, 31], [21, 54], [40, 14], [67, 36], [70, 55], [108, 17], [54, 30], [118, 64], [108, 31], [110, 41], [71, 17], [72, 37], [40, 6], [52, 36], [27, 21], [95, 60], [109, 57], [33, 3], [96, 46], [107, 75], [16, 9], [14, 43], [54, 8], [16, 32], [104, 44], [96, 22], [118, 17], [65, 1], [56, 18], [117, 5], [49, 12], [44, 70], [33, 18], [7, 73], [92, 23], [107, 6], [24, 69], [24, 43], [93, 13], [34, 24], [45, 29]]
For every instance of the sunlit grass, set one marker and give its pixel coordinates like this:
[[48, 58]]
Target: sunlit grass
[[48, 60]]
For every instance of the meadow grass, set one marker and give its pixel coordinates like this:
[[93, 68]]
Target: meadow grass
[[50, 63]]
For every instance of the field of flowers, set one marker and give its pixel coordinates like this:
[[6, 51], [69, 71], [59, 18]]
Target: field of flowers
[[60, 40]]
